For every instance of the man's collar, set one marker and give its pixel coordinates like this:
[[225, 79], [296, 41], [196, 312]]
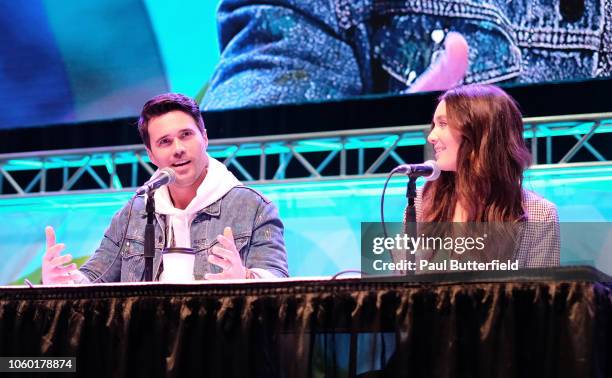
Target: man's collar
[[214, 209]]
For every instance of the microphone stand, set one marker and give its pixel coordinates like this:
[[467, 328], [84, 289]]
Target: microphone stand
[[410, 212], [149, 238], [410, 226]]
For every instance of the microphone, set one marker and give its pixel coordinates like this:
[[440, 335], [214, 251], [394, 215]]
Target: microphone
[[428, 170], [165, 176]]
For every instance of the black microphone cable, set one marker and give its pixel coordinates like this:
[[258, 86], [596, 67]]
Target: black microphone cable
[[382, 201]]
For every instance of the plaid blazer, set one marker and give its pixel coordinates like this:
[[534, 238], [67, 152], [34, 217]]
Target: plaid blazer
[[539, 244]]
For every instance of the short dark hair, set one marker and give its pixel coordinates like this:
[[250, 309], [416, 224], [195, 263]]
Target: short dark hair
[[166, 103]]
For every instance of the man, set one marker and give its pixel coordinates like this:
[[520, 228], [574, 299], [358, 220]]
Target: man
[[234, 231]]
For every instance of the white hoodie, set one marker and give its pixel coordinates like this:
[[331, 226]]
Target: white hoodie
[[216, 184]]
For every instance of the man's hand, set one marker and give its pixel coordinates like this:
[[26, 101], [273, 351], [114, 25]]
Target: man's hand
[[54, 272], [227, 258], [447, 71]]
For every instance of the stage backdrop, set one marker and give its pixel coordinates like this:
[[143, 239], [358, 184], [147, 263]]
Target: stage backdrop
[[322, 221]]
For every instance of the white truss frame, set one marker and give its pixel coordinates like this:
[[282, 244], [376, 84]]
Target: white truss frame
[[345, 149]]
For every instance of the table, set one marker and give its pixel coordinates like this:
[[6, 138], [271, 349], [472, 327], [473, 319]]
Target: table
[[540, 323]]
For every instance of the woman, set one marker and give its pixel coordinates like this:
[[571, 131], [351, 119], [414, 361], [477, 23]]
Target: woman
[[477, 136]]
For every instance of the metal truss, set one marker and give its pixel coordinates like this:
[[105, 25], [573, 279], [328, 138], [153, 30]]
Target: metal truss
[[276, 159]]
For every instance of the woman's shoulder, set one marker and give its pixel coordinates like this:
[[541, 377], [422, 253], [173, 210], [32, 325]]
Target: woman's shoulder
[[538, 208]]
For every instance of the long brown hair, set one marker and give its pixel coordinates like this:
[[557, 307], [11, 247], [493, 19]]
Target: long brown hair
[[490, 162]]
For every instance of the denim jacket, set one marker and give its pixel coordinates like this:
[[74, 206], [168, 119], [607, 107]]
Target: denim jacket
[[283, 51], [257, 229]]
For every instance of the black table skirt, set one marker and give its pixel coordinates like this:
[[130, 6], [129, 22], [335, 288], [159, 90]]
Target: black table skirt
[[550, 324]]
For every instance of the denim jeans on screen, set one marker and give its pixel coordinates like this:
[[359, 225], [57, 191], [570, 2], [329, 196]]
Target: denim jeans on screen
[[289, 51]]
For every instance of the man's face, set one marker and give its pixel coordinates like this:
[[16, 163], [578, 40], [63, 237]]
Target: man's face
[[176, 142], [445, 140]]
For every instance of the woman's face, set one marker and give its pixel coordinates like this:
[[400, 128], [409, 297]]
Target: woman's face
[[445, 140]]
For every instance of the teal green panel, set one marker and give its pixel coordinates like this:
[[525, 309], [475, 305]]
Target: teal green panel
[[186, 33], [322, 219]]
